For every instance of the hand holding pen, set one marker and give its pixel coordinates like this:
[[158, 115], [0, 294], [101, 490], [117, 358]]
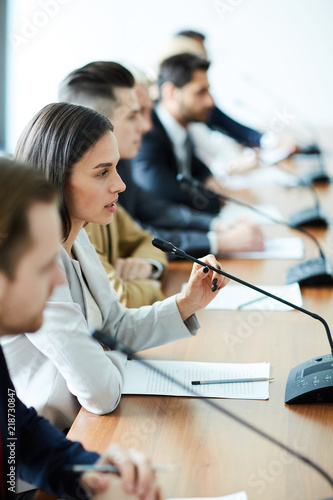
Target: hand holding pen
[[136, 479]]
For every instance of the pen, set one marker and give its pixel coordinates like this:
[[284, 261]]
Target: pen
[[107, 468], [231, 380]]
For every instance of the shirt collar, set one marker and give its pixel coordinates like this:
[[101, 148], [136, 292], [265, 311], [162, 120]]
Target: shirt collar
[[175, 131]]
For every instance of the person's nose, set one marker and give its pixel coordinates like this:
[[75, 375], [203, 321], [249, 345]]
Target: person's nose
[[145, 123], [210, 101], [118, 185]]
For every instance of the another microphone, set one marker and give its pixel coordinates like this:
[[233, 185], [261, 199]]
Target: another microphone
[[308, 217], [310, 382], [312, 272], [115, 344]]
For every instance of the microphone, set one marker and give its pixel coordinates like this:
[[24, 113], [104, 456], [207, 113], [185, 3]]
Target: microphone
[[312, 272], [309, 382], [113, 343], [308, 217]]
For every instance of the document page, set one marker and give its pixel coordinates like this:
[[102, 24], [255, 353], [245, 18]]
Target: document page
[[275, 248], [140, 379], [241, 495], [261, 177], [231, 211], [240, 297]]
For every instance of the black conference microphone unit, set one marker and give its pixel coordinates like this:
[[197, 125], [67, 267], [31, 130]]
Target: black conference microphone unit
[[308, 217], [309, 382], [114, 344], [312, 272], [319, 175]]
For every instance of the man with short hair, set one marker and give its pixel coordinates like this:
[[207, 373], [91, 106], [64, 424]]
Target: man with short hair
[[166, 150], [30, 447], [100, 85], [133, 265]]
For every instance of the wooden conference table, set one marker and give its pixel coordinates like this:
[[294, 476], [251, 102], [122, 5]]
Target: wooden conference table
[[213, 455]]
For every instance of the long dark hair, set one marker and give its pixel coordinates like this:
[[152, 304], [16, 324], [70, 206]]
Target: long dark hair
[[55, 139]]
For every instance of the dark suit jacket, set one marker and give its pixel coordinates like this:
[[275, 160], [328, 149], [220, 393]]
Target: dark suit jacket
[[40, 450], [184, 227], [155, 170], [245, 135]]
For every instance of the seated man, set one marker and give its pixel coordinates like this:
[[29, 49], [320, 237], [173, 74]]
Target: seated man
[[30, 447], [167, 150], [108, 88], [272, 142]]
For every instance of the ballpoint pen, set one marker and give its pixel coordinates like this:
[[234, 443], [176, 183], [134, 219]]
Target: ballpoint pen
[[108, 468], [230, 381]]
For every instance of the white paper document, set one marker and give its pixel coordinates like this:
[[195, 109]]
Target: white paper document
[[275, 248], [234, 297], [261, 177], [241, 495], [231, 211], [140, 379]]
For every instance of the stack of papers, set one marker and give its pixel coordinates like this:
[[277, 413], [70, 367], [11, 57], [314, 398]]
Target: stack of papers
[[140, 379], [234, 297]]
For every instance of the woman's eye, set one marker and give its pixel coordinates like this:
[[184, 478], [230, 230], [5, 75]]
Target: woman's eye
[[103, 173]]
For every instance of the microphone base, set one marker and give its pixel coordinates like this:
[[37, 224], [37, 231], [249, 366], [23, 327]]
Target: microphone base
[[311, 382], [315, 176], [309, 217], [312, 272]]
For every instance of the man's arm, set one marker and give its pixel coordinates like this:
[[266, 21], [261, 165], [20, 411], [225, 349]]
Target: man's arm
[[245, 135], [43, 451], [153, 213]]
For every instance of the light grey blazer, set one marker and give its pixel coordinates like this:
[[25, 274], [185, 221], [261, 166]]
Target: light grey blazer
[[61, 367]]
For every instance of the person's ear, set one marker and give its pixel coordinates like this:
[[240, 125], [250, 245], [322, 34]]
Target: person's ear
[[3, 285], [167, 90]]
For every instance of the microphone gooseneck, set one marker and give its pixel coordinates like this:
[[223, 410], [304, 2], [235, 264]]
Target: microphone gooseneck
[[113, 343], [168, 247]]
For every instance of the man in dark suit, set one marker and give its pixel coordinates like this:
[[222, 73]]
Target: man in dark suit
[[167, 151], [109, 88], [30, 447]]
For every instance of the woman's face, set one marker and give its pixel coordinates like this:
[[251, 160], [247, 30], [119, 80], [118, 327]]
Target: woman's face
[[92, 189]]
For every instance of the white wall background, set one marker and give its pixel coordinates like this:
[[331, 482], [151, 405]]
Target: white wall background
[[272, 58]]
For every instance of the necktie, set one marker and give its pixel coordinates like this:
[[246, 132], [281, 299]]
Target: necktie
[[187, 156]]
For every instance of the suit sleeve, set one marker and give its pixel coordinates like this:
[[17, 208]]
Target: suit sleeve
[[154, 170], [44, 451], [93, 375], [245, 135], [153, 213]]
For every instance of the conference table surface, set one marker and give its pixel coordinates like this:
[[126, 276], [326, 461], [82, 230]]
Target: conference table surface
[[211, 454]]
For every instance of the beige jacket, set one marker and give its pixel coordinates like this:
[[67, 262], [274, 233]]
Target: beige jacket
[[121, 239]]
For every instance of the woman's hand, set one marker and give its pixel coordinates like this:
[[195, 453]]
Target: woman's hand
[[201, 288], [136, 478]]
